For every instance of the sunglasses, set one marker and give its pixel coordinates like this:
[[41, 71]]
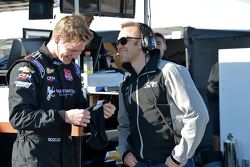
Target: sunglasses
[[124, 40]]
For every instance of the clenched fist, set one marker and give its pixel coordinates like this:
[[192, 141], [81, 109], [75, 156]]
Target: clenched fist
[[78, 117], [108, 109]]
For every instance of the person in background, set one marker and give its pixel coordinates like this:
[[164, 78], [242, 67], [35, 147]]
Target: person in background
[[213, 108], [103, 64], [213, 100], [162, 46], [160, 43], [46, 98], [88, 20], [162, 117]]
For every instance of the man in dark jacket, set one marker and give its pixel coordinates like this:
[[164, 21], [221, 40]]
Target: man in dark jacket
[[95, 47], [162, 117], [46, 97]]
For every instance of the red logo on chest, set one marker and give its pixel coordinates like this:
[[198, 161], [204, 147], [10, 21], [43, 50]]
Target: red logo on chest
[[68, 74]]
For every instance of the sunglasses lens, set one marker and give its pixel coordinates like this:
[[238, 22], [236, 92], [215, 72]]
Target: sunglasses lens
[[122, 41]]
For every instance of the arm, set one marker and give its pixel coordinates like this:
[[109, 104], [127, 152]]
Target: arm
[[188, 110], [25, 112], [123, 126]]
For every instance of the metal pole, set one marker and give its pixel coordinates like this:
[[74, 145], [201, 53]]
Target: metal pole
[[76, 10], [146, 12], [76, 6]]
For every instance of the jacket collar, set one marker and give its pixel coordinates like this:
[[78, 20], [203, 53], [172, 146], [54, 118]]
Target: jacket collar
[[151, 64], [44, 50]]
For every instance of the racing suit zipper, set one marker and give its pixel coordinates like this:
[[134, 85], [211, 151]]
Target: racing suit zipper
[[63, 102]]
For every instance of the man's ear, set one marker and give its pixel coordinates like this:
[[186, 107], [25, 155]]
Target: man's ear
[[137, 42], [57, 39]]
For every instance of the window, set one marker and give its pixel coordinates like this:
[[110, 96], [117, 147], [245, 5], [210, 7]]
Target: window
[[111, 8], [36, 33]]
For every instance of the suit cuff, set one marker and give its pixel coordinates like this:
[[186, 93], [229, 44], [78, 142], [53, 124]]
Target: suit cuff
[[175, 161], [124, 155]]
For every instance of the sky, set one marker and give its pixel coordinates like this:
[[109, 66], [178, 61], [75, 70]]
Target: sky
[[209, 14]]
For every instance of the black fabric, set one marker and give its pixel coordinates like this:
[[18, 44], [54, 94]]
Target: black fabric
[[152, 127], [175, 161], [98, 139], [46, 140]]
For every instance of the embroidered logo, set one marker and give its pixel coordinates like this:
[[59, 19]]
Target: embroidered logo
[[54, 139], [22, 84], [26, 69], [51, 78], [49, 70], [57, 62], [68, 74], [152, 84], [65, 92], [50, 92], [24, 76]]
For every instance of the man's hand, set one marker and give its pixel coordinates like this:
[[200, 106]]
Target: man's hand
[[78, 117], [169, 162], [130, 160], [108, 109]]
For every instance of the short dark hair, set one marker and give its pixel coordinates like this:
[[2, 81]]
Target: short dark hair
[[159, 35]]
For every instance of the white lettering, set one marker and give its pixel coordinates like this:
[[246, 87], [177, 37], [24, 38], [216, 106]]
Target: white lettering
[[22, 84], [50, 139]]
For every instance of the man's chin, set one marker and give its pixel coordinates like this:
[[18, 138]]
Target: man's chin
[[66, 62], [124, 61]]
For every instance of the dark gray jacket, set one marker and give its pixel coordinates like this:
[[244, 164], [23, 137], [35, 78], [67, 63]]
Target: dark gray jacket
[[168, 87]]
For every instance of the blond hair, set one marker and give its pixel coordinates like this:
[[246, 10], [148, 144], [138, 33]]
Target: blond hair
[[72, 28], [131, 24]]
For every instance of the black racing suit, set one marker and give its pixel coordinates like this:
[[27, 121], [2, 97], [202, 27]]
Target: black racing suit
[[41, 89]]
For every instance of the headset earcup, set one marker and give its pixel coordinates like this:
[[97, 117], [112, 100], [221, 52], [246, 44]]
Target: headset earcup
[[144, 42], [148, 38], [149, 42]]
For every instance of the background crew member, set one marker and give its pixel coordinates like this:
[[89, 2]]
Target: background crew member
[[93, 47], [160, 43]]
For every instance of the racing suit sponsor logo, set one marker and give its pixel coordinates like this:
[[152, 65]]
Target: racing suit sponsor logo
[[50, 92], [65, 92], [54, 139], [22, 84], [49, 70], [51, 78], [68, 74], [56, 62], [26, 69], [24, 76], [150, 84]]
